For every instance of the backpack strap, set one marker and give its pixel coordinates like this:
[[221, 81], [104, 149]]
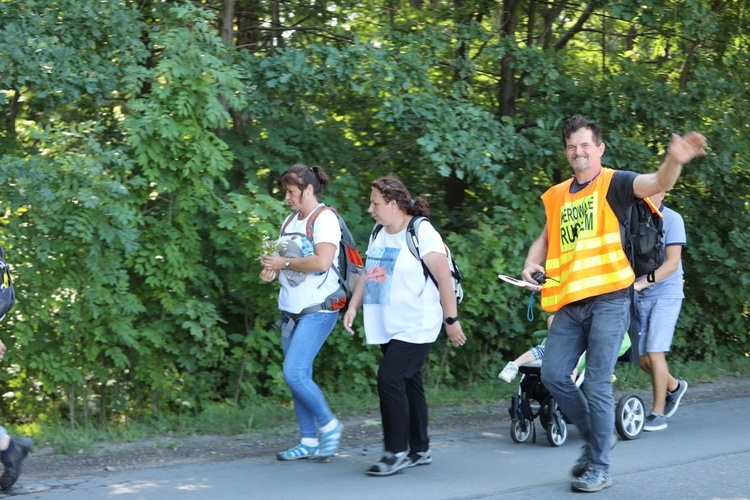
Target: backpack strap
[[313, 216], [375, 231], [653, 207], [412, 241], [309, 231], [287, 221], [310, 220]]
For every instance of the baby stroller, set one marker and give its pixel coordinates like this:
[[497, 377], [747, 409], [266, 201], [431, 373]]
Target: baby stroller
[[534, 401]]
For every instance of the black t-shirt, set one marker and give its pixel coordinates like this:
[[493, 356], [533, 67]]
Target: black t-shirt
[[621, 199], [620, 195]]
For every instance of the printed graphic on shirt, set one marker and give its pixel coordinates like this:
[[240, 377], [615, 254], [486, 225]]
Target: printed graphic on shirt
[[379, 275], [578, 220], [297, 245]]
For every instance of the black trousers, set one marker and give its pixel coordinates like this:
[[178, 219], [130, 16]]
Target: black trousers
[[403, 406]]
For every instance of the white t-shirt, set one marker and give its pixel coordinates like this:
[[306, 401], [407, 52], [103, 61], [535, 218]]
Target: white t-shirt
[[299, 289], [400, 302]]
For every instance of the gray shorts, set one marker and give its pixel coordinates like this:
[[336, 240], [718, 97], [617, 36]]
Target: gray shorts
[[657, 319]]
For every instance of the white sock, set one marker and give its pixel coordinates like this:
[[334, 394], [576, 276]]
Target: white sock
[[311, 442], [330, 425]]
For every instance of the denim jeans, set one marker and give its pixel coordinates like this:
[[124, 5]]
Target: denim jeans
[[597, 327], [300, 347]]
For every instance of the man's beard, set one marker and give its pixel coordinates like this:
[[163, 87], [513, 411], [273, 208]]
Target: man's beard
[[580, 167]]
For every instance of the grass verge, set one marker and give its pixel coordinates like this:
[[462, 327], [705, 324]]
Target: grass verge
[[277, 418]]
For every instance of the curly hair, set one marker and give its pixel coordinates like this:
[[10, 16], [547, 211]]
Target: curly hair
[[393, 189]]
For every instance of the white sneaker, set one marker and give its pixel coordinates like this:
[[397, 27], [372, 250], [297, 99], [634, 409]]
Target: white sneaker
[[509, 372]]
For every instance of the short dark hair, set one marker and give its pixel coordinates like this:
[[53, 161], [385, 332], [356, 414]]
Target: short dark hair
[[576, 123]]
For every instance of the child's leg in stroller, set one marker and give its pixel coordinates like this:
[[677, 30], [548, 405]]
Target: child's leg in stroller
[[511, 369], [524, 359]]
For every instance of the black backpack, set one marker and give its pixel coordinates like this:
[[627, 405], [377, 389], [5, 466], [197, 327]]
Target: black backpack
[[644, 242], [7, 293]]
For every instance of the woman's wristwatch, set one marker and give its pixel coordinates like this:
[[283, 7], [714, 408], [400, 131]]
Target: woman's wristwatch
[[286, 263], [450, 321]]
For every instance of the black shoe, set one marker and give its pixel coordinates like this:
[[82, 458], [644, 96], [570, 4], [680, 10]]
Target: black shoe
[[13, 461]]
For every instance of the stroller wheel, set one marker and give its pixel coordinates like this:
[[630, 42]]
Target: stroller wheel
[[521, 429], [630, 415], [557, 429]]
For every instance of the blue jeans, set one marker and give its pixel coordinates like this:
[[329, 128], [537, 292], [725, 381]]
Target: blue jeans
[[597, 327], [300, 347]]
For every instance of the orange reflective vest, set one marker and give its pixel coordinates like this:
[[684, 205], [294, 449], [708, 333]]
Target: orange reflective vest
[[584, 247]]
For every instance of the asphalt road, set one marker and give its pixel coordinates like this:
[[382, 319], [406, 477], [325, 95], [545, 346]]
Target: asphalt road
[[704, 454]]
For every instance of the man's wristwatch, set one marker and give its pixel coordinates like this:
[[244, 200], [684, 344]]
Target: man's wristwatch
[[286, 263], [450, 321]]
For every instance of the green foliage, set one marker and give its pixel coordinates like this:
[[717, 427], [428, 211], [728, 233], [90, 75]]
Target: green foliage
[[71, 223], [269, 418], [140, 154]]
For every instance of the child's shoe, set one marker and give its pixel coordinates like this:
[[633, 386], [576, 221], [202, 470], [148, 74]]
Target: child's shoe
[[509, 372]]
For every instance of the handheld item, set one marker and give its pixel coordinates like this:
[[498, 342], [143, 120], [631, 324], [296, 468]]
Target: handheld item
[[515, 281]]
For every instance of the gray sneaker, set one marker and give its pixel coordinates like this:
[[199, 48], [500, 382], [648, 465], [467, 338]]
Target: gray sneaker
[[593, 480], [673, 398], [655, 422]]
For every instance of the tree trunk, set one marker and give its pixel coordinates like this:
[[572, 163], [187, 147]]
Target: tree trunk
[[507, 90], [226, 21]]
